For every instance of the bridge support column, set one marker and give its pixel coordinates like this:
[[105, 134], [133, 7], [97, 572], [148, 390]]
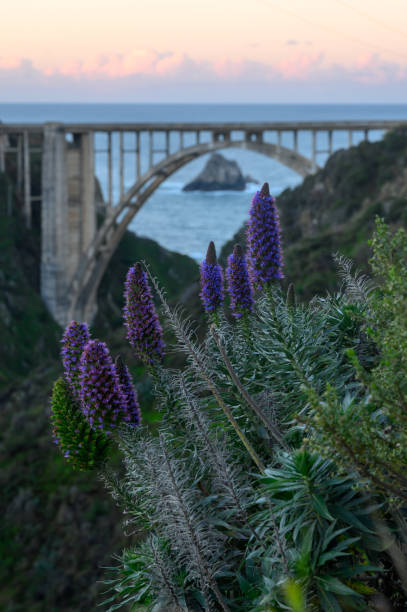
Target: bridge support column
[[82, 226], [68, 216], [80, 177], [54, 223], [314, 150], [27, 178]]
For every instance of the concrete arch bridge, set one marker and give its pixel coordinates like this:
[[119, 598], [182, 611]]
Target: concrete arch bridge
[[75, 250]]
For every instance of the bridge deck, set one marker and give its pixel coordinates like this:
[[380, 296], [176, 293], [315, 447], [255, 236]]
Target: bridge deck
[[205, 126]]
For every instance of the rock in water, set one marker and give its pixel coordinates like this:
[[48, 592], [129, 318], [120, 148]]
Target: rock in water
[[219, 173]]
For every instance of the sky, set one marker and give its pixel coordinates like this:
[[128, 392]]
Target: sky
[[203, 51]]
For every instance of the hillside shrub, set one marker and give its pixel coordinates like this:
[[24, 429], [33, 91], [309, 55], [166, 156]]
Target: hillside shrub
[[275, 479]]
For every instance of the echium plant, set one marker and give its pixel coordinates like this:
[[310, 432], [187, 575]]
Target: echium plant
[[212, 294], [239, 286], [265, 256], [105, 403], [94, 397], [237, 507], [144, 331], [75, 336], [130, 393], [82, 446]]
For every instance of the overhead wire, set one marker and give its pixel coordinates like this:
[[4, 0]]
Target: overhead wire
[[272, 3]]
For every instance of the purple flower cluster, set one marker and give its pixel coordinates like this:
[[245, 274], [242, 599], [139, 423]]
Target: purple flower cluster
[[75, 337], [129, 391], [143, 327], [239, 286], [104, 402], [263, 240], [211, 281]]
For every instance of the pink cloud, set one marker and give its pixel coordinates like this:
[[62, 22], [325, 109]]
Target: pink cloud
[[138, 61], [300, 65], [145, 75], [9, 63], [170, 64]]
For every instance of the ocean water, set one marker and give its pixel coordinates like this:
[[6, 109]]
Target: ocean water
[[186, 222]]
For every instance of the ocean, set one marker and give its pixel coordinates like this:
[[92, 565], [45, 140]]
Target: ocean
[[186, 221]]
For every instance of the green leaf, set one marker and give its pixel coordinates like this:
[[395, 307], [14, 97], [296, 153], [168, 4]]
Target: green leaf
[[349, 571], [320, 507], [245, 585], [332, 584], [308, 539], [349, 517]]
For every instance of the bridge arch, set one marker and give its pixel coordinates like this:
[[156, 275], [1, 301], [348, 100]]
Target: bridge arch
[[85, 284]]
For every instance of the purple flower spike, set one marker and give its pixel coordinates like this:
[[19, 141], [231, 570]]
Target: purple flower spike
[[143, 327], [133, 409], [75, 337], [103, 402], [240, 289], [263, 240], [211, 281]]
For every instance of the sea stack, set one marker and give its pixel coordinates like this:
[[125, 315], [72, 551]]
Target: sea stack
[[219, 173]]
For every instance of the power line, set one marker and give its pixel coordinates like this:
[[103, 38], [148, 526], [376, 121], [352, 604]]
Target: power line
[[272, 3], [373, 19]]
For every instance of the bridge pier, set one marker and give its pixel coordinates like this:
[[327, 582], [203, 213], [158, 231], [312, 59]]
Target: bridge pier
[[68, 215]]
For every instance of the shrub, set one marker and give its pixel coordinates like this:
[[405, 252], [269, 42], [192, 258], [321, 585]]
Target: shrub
[[274, 480]]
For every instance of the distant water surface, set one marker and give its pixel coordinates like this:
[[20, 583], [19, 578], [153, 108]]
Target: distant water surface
[[186, 222]]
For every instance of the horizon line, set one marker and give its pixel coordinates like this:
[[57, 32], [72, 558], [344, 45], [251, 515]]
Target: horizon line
[[207, 103]]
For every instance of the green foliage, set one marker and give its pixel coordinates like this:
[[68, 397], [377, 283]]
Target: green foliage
[[366, 427], [326, 528], [146, 575], [387, 323], [81, 446]]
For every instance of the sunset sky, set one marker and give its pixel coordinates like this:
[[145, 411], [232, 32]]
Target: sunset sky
[[204, 51]]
